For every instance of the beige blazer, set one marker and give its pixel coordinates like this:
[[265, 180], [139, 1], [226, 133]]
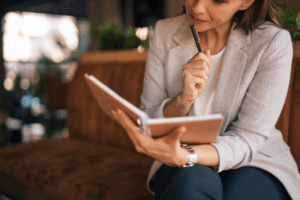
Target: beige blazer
[[250, 94]]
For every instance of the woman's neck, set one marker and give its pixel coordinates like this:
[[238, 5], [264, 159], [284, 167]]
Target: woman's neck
[[215, 39]]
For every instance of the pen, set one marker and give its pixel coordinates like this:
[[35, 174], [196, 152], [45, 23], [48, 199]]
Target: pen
[[196, 37]]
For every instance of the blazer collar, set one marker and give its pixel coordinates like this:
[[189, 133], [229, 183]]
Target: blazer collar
[[183, 35], [232, 69]]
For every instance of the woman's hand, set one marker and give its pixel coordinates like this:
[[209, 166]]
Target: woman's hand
[[194, 77], [165, 149]]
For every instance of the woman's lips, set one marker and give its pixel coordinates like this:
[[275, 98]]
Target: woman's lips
[[198, 20]]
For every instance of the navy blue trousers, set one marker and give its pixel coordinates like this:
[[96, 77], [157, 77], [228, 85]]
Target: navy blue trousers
[[201, 182]]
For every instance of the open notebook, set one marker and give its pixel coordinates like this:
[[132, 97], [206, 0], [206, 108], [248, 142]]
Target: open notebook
[[199, 129]]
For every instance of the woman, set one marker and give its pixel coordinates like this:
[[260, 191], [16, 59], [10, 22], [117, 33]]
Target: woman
[[244, 75]]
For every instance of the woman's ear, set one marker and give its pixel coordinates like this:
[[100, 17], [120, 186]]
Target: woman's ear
[[246, 4]]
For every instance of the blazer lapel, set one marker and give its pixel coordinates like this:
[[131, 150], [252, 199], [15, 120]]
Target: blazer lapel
[[182, 50], [232, 70]]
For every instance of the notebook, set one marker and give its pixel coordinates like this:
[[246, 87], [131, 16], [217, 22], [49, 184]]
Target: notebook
[[199, 129]]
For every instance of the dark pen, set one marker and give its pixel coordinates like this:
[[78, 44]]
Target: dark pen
[[196, 37]]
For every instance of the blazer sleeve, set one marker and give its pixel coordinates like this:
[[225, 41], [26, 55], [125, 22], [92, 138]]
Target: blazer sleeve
[[154, 95], [261, 106]]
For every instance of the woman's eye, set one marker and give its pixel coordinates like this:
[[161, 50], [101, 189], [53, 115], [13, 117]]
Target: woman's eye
[[219, 1]]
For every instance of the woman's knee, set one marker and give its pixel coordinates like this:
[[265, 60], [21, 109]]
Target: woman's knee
[[252, 183], [198, 182]]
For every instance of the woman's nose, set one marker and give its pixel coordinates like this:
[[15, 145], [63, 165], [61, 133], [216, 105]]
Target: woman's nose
[[199, 6]]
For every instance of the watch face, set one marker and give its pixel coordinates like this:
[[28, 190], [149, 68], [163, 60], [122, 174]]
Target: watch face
[[192, 156]]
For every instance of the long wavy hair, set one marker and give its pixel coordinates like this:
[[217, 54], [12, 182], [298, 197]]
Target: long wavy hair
[[259, 12]]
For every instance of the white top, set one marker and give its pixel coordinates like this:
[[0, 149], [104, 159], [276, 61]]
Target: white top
[[203, 104]]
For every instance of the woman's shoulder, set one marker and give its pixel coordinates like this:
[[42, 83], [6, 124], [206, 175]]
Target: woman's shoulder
[[164, 31], [269, 42], [269, 31], [170, 25]]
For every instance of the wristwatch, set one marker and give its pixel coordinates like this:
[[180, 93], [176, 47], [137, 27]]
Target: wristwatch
[[192, 156]]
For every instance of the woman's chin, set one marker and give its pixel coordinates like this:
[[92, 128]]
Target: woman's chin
[[202, 27]]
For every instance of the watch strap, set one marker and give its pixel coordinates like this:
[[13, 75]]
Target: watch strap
[[192, 156]]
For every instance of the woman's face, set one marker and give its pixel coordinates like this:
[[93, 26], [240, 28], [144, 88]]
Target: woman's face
[[209, 14]]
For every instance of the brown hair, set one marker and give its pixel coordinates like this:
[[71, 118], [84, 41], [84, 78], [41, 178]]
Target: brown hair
[[259, 12]]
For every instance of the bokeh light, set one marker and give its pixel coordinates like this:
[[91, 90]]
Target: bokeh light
[[8, 84], [37, 110], [27, 37], [69, 31], [34, 24], [24, 84], [37, 131], [142, 33], [11, 74], [28, 101], [12, 22], [12, 47], [140, 49]]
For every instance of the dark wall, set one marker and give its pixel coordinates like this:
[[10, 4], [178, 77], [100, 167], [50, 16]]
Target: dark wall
[[2, 74], [147, 12], [294, 4]]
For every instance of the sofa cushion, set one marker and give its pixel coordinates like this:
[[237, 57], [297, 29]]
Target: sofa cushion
[[72, 169]]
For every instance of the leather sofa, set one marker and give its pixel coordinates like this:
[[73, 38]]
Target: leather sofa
[[98, 160]]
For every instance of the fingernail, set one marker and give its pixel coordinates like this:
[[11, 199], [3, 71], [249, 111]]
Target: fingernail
[[183, 129]]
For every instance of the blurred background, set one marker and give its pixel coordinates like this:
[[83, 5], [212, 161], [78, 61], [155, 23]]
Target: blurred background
[[41, 43]]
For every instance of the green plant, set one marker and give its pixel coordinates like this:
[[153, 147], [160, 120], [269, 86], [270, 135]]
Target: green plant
[[46, 67], [289, 20], [112, 36]]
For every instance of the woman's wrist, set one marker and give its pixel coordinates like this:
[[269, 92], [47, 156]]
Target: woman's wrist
[[182, 103], [182, 157], [176, 107]]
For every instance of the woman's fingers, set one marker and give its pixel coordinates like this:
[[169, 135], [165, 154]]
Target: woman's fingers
[[175, 134], [199, 64], [194, 83], [123, 119], [139, 140], [168, 148], [201, 57], [127, 124], [199, 83], [196, 67], [197, 74], [165, 149], [207, 53]]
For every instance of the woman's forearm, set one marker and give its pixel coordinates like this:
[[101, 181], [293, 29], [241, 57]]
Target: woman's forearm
[[176, 107], [207, 155]]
